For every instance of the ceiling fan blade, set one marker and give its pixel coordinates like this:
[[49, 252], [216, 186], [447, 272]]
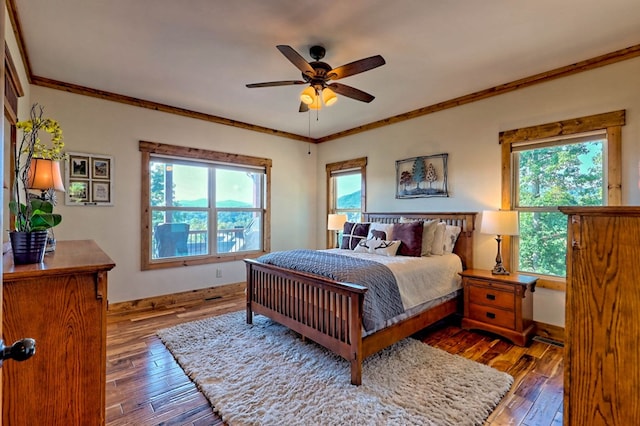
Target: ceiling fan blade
[[356, 67], [276, 83], [351, 92], [303, 107], [296, 59]]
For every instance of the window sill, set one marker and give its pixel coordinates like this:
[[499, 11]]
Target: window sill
[[192, 261]]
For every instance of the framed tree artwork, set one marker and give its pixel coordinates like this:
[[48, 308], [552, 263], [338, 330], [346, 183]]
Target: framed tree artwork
[[89, 179], [422, 177]]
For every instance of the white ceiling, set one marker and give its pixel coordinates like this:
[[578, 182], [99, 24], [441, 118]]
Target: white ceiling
[[199, 54]]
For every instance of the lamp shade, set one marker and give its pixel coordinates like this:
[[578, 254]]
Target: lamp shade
[[335, 222], [45, 174], [308, 95], [501, 222], [329, 97]]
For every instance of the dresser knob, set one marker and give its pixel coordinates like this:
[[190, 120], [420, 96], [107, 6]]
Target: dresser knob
[[491, 296], [491, 315], [21, 350]]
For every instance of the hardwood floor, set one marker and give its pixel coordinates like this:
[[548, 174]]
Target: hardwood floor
[[145, 385]]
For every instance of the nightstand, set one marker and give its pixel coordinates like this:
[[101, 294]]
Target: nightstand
[[500, 304]]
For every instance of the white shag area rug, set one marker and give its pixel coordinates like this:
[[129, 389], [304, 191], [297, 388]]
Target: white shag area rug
[[264, 374]]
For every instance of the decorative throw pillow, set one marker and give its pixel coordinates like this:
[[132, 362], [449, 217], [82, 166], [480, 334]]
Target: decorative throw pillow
[[377, 246], [382, 231], [428, 233], [450, 237], [438, 240], [410, 235], [353, 233]]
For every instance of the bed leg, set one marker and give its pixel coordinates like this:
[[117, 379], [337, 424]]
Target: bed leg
[[356, 372]]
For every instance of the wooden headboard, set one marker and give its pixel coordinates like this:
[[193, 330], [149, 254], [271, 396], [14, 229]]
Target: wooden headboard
[[466, 221]]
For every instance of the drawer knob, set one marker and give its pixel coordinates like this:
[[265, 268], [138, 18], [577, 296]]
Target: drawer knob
[[491, 315], [491, 296]]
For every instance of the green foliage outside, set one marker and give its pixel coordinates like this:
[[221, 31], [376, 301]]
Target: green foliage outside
[[565, 175]]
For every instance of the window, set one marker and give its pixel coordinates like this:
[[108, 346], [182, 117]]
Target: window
[[548, 175], [346, 191], [202, 206], [580, 165]]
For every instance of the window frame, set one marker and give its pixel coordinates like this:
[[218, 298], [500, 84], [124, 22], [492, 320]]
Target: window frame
[[356, 165], [610, 122], [148, 150]]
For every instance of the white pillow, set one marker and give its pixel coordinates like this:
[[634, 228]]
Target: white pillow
[[428, 235], [377, 246], [451, 233], [438, 240], [387, 228]]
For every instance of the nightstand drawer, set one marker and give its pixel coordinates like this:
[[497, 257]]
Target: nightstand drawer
[[491, 297], [489, 315], [491, 284]]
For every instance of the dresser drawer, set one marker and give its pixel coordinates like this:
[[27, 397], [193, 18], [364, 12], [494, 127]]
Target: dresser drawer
[[490, 315], [491, 297]]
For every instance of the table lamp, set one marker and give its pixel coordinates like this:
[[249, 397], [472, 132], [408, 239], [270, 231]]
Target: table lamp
[[499, 223], [335, 222], [45, 176]]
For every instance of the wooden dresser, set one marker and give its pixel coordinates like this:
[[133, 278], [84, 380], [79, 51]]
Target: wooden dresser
[[62, 303], [602, 326]]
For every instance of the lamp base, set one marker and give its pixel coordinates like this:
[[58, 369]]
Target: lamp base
[[499, 270]]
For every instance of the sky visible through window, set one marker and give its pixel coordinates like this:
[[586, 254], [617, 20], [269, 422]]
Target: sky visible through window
[[191, 184]]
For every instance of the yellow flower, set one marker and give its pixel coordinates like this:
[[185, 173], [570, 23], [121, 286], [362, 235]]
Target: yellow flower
[[30, 130]]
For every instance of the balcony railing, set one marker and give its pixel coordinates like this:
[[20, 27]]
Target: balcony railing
[[197, 244], [228, 240]]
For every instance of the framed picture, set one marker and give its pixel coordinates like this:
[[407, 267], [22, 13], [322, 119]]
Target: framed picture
[[100, 168], [422, 177], [89, 179], [79, 166], [78, 191], [100, 192]]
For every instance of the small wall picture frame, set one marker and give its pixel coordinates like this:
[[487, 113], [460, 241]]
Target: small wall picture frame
[[101, 192], [424, 176], [88, 179], [100, 168], [77, 190], [78, 166]]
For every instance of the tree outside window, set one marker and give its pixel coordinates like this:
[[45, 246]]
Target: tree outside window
[[568, 174]]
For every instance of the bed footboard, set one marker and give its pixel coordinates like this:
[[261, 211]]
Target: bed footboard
[[323, 310]]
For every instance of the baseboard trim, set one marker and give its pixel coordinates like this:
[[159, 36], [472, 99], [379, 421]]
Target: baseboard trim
[[185, 298], [550, 331]]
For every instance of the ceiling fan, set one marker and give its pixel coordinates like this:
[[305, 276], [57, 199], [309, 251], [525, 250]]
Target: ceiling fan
[[317, 75]]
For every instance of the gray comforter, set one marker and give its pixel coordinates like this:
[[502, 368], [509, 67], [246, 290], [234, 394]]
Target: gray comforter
[[382, 300]]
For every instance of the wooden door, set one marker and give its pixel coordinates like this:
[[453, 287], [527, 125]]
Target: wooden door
[[2, 77]]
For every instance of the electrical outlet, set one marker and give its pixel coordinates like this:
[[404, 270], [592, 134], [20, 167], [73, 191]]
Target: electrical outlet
[[218, 273]]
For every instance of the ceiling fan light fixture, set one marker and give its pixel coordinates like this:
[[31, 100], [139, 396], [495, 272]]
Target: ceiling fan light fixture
[[316, 104], [329, 97], [308, 95]]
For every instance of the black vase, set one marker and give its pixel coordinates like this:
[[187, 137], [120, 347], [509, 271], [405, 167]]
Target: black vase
[[28, 247]]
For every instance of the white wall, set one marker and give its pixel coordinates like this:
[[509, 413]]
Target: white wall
[[102, 127], [469, 134]]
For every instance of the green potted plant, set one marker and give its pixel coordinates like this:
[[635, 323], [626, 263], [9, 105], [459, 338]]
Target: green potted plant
[[36, 166]]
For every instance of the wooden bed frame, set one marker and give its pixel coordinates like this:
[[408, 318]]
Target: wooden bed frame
[[330, 312]]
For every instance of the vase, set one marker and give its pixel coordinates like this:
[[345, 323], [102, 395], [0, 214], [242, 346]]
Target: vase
[[28, 247]]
